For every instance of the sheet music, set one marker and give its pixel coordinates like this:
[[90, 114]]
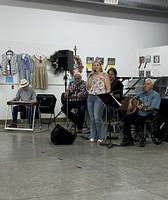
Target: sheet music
[[109, 100]]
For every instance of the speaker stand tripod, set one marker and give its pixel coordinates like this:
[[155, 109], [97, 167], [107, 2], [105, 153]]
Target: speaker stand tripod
[[60, 112]]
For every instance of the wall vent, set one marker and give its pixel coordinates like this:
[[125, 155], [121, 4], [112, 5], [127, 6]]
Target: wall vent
[[111, 1]]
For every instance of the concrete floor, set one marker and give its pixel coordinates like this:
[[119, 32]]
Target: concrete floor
[[32, 168]]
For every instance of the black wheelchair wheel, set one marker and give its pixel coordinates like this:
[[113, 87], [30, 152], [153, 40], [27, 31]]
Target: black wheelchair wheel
[[159, 129]]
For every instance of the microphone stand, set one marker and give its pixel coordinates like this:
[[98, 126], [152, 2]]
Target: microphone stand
[[67, 102], [75, 110]]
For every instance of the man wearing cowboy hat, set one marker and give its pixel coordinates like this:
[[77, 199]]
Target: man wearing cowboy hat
[[26, 94]]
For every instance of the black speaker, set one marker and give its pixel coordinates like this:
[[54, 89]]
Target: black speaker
[[60, 135], [65, 59]]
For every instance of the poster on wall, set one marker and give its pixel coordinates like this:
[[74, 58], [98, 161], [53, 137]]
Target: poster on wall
[[156, 60], [141, 61], [110, 64], [148, 59], [89, 61], [148, 73], [141, 73]]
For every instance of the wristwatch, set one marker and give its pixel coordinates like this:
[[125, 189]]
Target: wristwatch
[[146, 108]]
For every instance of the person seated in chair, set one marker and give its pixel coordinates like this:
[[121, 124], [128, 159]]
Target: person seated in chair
[[116, 89], [146, 102], [75, 97], [28, 95]]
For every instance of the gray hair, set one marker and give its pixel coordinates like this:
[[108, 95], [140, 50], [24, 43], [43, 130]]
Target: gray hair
[[151, 80]]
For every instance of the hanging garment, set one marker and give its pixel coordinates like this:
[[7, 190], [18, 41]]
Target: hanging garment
[[40, 75], [9, 63], [25, 67]]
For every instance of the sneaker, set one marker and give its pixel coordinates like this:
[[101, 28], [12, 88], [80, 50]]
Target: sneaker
[[13, 125], [104, 142], [92, 140], [99, 141]]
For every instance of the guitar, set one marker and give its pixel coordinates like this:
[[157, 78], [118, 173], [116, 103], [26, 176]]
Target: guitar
[[135, 103], [73, 98]]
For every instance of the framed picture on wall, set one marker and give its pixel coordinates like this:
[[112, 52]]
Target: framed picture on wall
[[141, 59], [156, 59], [111, 61], [89, 61], [148, 73], [141, 73], [147, 59]]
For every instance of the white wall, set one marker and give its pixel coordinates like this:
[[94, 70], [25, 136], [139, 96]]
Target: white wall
[[156, 69], [32, 30]]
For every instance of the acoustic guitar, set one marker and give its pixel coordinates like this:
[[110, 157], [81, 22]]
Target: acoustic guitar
[[135, 103]]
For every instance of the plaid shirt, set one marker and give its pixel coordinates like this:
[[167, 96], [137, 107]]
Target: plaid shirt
[[77, 92]]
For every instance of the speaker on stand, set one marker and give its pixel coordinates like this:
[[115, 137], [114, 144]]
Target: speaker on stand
[[60, 135], [65, 60]]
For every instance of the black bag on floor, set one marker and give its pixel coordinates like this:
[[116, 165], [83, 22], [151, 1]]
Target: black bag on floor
[[60, 135]]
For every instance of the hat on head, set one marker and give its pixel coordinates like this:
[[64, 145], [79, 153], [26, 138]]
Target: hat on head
[[24, 83]]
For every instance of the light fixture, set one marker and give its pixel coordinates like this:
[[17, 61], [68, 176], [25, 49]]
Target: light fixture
[[111, 2]]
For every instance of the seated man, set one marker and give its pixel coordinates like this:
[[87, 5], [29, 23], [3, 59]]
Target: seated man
[[150, 100], [77, 98], [28, 95]]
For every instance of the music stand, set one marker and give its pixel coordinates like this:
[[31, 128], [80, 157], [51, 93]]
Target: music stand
[[110, 101]]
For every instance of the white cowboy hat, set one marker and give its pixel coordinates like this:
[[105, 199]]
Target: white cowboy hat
[[24, 83]]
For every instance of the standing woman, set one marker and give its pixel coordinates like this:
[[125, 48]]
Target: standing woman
[[98, 82]]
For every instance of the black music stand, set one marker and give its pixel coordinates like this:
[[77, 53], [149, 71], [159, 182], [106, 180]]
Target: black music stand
[[110, 101]]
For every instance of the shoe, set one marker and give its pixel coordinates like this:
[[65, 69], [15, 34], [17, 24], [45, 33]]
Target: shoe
[[99, 141], [30, 126], [91, 140], [13, 125], [104, 142], [127, 143]]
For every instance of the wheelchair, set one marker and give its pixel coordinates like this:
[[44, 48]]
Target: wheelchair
[[141, 136], [155, 127]]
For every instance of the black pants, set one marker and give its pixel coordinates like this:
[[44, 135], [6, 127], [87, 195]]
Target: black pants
[[136, 120], [76, 117]]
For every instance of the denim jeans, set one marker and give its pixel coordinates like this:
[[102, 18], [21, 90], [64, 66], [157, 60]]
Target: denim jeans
[[95, 108], [28, 112]]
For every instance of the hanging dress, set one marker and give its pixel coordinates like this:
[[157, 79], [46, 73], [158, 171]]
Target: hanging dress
[[40, 75], [25, 67]]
